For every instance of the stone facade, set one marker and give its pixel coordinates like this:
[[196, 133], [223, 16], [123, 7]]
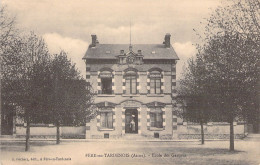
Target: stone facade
[[143, 105]]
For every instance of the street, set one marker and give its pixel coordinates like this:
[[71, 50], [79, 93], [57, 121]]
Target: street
[[130, 152]]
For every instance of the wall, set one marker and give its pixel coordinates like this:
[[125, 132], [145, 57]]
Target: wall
[[50, 132], [211, 131], [166, 132], [168, 83], [143, 124], [93, 70]]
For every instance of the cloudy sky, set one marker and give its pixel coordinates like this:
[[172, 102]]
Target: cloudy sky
[[68, 24]]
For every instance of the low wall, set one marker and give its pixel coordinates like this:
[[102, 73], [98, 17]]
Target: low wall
[[211, 131], [50, 131], [184, 131], [73, 132]]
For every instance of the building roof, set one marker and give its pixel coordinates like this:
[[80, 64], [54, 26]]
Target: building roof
[[149, 51]]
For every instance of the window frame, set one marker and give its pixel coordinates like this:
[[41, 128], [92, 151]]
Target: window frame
[[103, 76], [154, 77], [158, 120], [106, 92], [131, 75], [108, 125]]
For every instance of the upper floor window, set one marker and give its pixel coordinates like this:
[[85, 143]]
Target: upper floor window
[[106, 82], [155, 82], [131, 82]]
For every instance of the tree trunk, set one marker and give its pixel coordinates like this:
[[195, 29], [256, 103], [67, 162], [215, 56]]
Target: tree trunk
[[232, 145], [58, 133], [202, 132], [27, 139]]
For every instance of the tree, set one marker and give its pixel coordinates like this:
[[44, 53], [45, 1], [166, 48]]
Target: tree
[[231, 48], [19, 54], [29, 85], [233, 45], [240, 17], [37, 86], [24, 66], [7, 35], [234, 74], [70, 96], [194, 93]]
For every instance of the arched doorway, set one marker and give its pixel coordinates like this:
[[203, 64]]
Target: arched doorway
[[131, 121]]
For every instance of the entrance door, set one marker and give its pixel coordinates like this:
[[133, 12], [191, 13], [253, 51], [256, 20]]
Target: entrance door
[[131, 121]]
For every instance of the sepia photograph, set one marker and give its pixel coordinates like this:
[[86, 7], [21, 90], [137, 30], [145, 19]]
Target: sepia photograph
[[120, 82]]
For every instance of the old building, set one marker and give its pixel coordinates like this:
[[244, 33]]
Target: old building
[[135, 87]]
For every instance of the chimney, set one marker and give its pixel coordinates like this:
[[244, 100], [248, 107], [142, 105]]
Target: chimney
[[94, 40], [167, 40]]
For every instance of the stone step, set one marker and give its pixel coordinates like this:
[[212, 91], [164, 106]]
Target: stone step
[[133, 137]]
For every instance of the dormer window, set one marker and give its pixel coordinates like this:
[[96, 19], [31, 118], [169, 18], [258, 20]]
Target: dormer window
[[130, 57]]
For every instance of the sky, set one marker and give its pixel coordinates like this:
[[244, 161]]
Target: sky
[[68, 24]]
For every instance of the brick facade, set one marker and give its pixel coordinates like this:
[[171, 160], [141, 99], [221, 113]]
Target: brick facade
[[131, 107]]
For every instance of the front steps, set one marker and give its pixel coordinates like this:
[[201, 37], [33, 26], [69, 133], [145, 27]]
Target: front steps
[[133, 137]]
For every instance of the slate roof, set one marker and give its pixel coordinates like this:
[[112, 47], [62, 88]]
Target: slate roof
[[110, 51]]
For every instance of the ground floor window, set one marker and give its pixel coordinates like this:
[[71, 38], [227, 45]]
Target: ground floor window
[[156, 118], [106, 120]]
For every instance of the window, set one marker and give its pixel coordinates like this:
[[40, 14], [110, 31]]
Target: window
[[106, 82], [106, 85], [155, 82], [130, 82], [156, 118], [106, 120]]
